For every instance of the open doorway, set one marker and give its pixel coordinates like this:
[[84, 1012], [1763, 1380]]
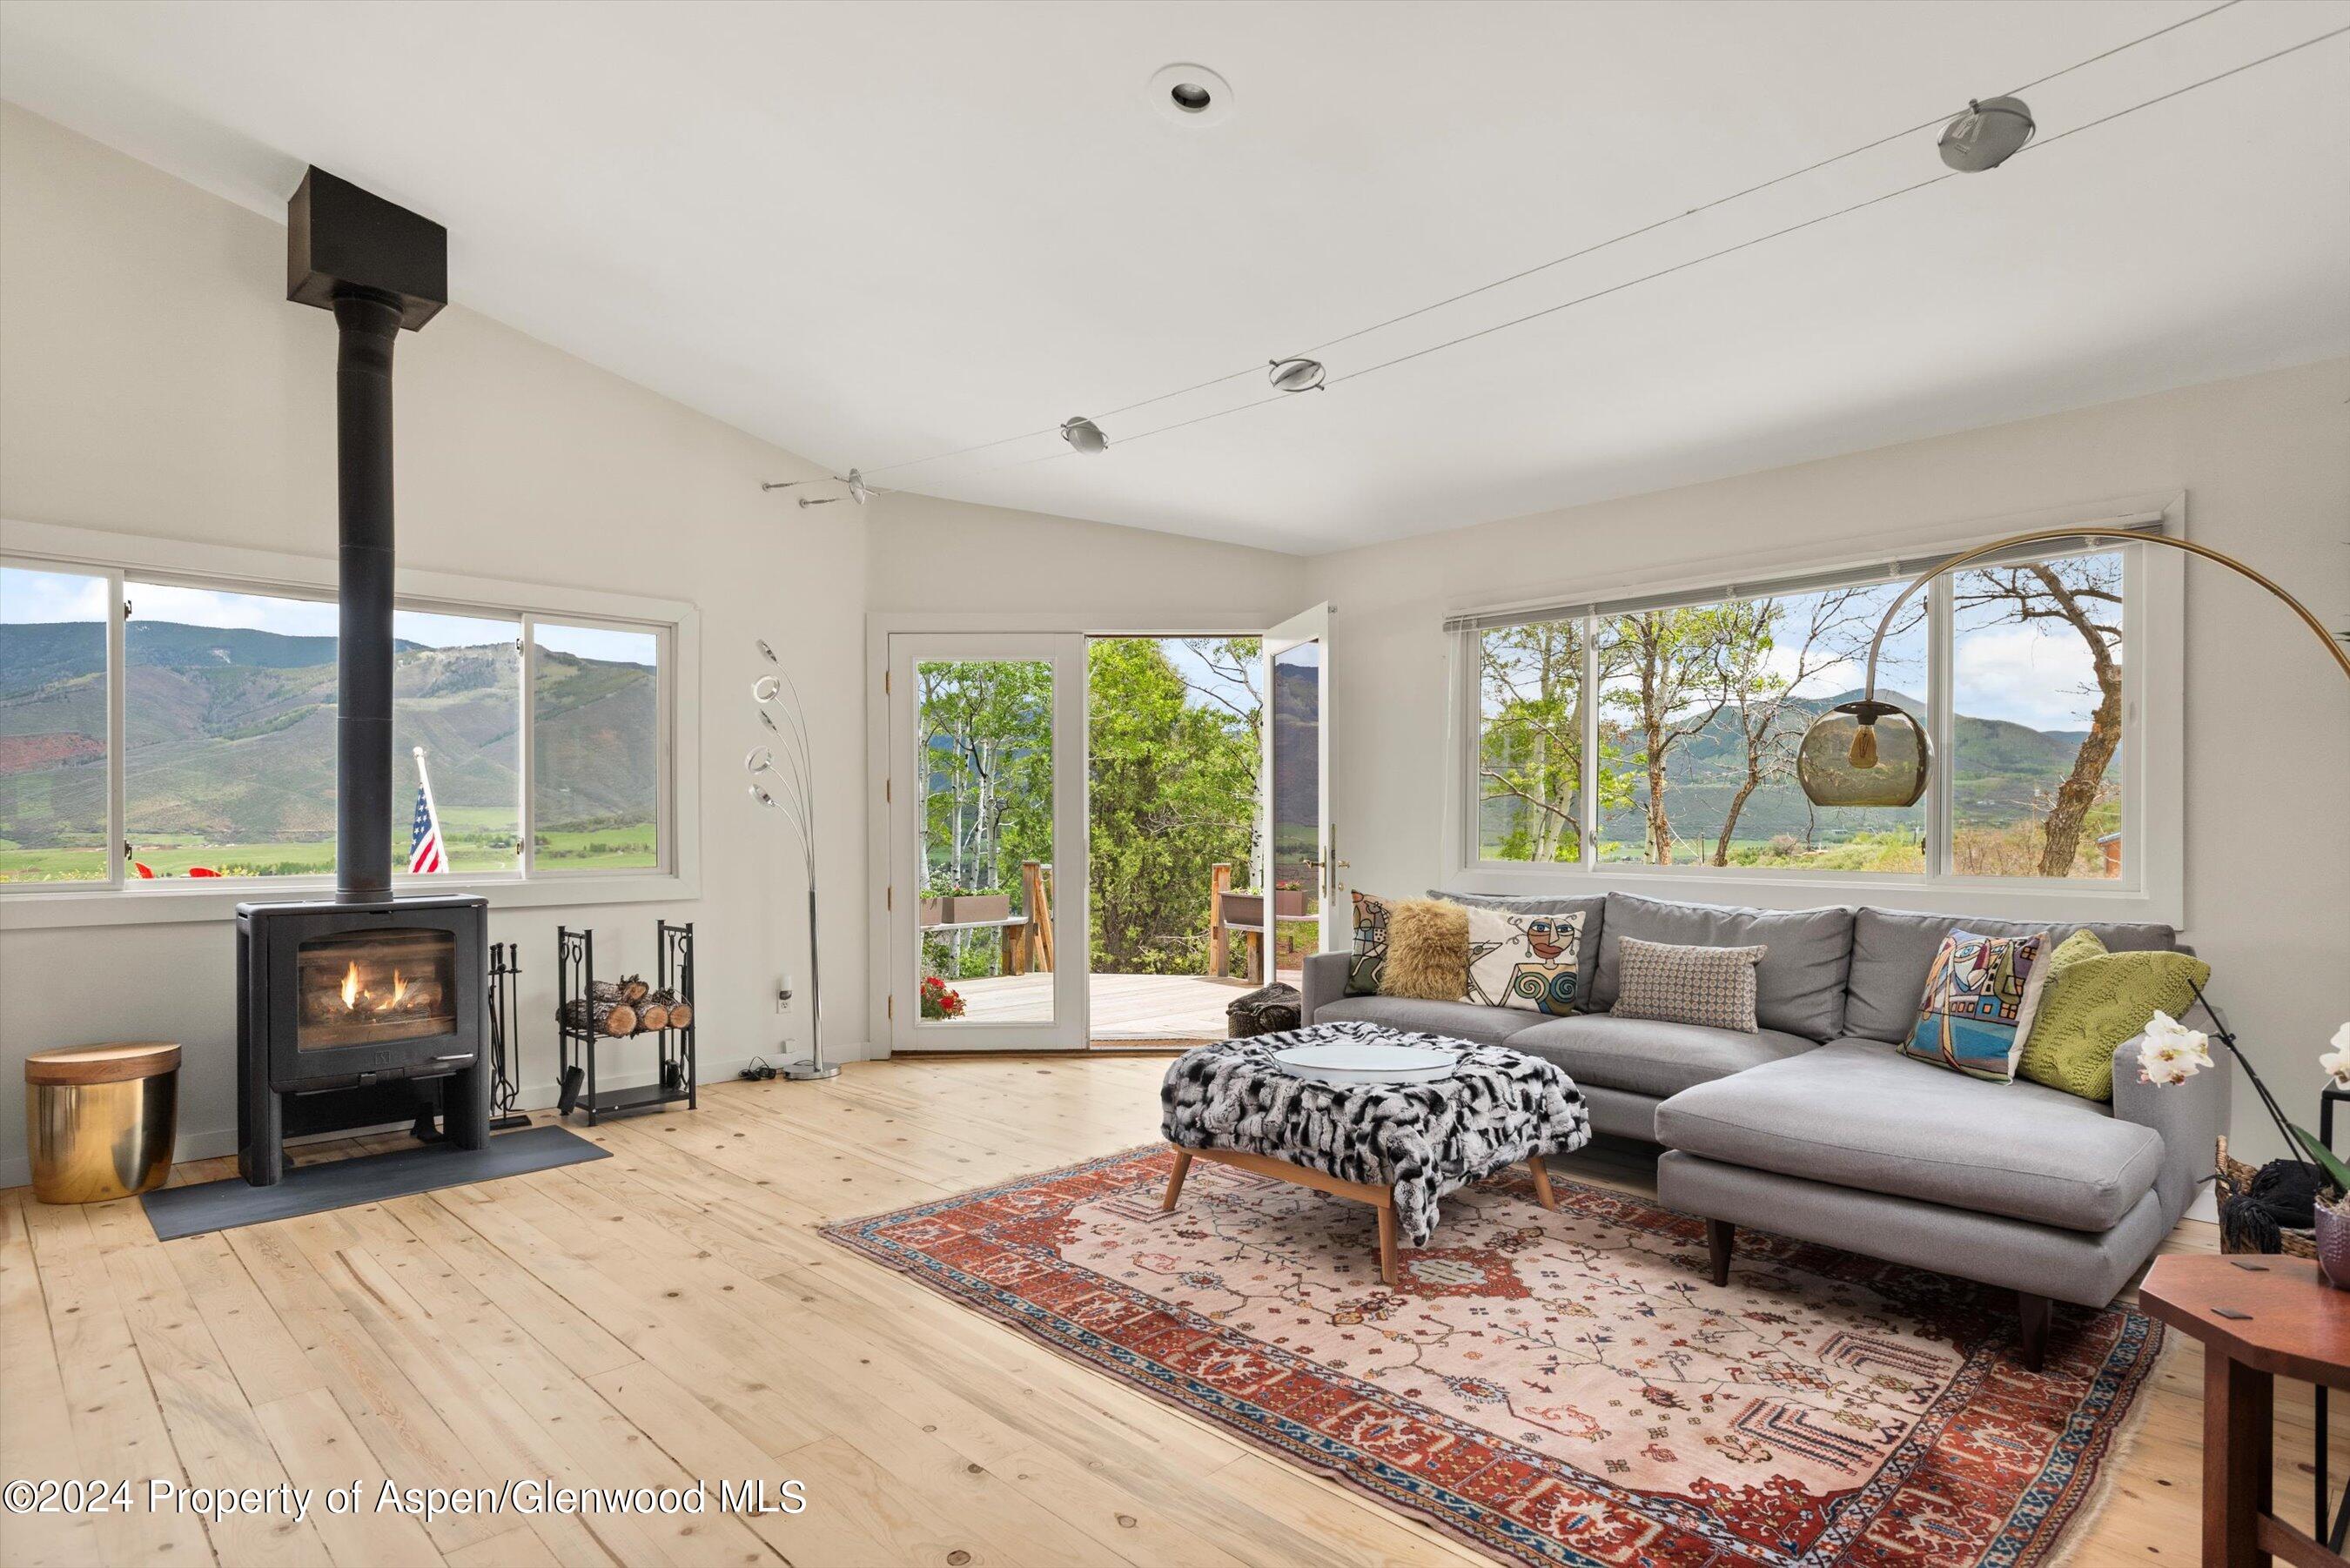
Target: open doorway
[[1174, 748]]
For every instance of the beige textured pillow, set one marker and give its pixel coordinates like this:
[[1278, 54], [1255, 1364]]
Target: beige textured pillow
[[1427, 950], [1712, 986]]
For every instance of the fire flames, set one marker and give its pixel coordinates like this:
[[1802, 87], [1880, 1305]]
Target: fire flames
[[354, 993]]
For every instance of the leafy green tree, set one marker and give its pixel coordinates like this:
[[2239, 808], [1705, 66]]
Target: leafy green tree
[[1674, 665], [1172, 785], [986, 737]]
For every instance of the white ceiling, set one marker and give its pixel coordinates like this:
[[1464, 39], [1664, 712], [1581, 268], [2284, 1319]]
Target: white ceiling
[[869, 232]]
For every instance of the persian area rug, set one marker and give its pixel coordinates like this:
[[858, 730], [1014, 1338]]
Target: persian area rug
[[1560, 1385]]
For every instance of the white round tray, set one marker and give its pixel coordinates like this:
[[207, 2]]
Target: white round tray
[[1349, 1062]]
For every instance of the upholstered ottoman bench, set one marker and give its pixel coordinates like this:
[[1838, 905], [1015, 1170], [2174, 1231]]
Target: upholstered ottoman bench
[[1398, 1148]]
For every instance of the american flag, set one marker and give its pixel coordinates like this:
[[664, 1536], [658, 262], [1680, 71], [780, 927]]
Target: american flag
[[424, 834]]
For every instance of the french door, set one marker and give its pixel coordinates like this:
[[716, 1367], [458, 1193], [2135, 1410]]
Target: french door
[[987, 834], [1301, 865]]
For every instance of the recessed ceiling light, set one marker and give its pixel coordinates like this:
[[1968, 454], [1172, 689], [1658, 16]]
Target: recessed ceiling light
[[1191, 93]]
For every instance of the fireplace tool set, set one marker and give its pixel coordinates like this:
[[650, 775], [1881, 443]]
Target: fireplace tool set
[[505, 1044]]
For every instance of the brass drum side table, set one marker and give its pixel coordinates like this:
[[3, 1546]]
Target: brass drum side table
[[99, 1120]]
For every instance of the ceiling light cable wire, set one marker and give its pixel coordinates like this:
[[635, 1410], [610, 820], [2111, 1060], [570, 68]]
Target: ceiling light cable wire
[[1759, 239], [1753, 190], [1578, 254]]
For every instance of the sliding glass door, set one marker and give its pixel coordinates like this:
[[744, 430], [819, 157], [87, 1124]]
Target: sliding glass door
[[987, 838]]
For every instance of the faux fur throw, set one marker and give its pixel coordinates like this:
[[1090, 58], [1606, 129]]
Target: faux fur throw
[[1427, 950], [1423, 1140]]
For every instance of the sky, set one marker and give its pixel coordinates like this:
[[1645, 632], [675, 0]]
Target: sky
[[29, 595]]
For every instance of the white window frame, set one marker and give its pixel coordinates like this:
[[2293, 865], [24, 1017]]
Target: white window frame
[[120, 558], [2152, 754]]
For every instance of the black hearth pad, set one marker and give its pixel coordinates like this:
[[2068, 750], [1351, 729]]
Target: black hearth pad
[[224, 1205]]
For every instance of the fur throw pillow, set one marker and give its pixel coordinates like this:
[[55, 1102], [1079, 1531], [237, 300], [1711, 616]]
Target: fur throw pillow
[[1427, 950]]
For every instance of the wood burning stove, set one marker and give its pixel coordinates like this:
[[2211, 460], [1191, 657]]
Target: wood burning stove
[[365, 1008], [354, 1015]]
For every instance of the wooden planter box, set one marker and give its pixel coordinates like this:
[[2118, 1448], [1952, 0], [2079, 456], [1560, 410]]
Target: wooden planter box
[[970, 909], [1242, 909], [1289, 901], [932, 912]]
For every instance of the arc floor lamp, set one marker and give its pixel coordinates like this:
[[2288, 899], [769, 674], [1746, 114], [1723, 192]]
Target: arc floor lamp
[[1876, 753]]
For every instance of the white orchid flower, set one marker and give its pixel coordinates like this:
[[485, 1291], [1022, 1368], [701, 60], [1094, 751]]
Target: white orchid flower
[[2172, 1053], [2336, 1062]]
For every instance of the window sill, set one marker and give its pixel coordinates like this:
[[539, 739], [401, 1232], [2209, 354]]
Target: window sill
[[1993, 898], [23, 909]]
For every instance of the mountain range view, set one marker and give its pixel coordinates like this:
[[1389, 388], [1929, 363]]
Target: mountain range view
[[230, 737], [2003, 772]]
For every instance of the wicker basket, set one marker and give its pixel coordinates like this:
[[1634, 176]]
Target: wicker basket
[[2233, 1177]]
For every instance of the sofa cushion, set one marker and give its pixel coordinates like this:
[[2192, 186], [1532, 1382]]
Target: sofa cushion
[[1592, 907], [1649, 1057], [1893, 949], [1800, 986], [1856, 1114], [1461, 1020]]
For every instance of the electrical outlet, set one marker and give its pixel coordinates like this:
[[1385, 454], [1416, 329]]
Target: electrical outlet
[[783, 999]]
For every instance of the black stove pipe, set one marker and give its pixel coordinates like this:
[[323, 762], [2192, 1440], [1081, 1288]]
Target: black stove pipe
[[368, 323], [379, 268]]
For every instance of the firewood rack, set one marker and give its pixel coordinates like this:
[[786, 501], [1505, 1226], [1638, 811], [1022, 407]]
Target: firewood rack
[[576, 1043]]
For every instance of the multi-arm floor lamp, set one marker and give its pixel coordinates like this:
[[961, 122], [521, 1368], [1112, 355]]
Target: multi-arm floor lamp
[[790, 791], [1845, 760]]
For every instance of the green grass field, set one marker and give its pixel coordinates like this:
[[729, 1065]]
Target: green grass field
[[480, 839]]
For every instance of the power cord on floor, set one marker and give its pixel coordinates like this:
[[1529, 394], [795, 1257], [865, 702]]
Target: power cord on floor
[[759, 1072]]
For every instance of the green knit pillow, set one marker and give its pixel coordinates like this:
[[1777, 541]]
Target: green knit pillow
[[2093, 1002]]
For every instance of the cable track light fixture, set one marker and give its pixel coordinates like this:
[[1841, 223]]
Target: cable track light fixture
[[858, 491], [1991, 131], [1084, 434], [1297, 375]]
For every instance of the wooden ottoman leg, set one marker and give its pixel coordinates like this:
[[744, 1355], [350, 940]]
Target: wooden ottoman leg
[[1175, 1181], [1543, 1194], [1387, 1244]]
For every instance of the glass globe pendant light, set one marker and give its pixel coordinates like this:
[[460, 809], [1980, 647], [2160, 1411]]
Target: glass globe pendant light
[[1865, 754]]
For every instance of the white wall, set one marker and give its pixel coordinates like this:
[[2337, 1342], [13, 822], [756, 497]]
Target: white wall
[[928, 555], [154, 380], [2265, 464]]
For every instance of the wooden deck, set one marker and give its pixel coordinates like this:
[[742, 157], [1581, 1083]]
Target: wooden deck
[[1126, 1007], [671, 1313]]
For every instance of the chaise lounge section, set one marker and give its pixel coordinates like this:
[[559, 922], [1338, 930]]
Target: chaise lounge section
[[1815, 1126]]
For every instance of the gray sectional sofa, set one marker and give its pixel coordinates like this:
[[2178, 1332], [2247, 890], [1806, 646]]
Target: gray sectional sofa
[[1816, 1127]]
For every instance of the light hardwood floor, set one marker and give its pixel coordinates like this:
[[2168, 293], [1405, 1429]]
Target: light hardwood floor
[[671, 1313]]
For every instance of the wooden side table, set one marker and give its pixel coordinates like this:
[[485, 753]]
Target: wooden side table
[[2259, 1318]]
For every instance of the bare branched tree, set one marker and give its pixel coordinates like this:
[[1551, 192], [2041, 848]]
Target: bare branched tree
[[2085, 594]]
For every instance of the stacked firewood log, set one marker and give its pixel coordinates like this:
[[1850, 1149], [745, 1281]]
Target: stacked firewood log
[[628, 1006]]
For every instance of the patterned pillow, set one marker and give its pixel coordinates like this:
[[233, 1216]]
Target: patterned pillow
[[1523, 961], [1712, 986], [1981, 995], [2095, 1000], [1371, 954]]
